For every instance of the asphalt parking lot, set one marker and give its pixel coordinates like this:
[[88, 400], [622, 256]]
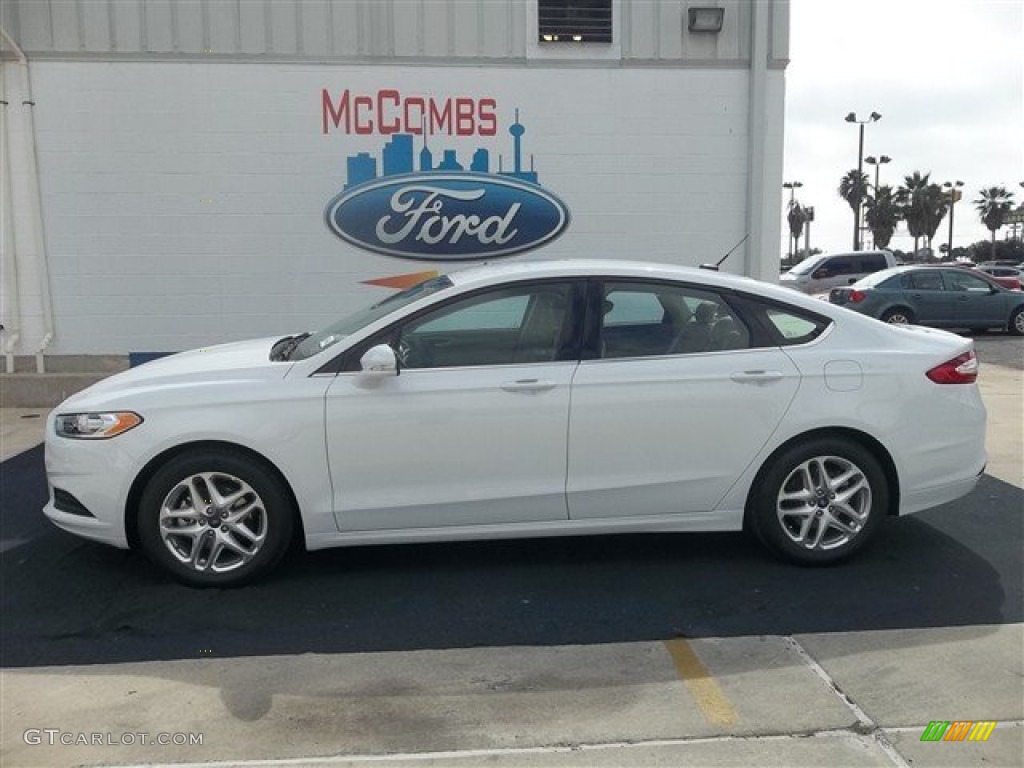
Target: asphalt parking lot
[[604, 650]]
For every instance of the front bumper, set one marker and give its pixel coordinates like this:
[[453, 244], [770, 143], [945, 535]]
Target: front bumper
[[98, 474]]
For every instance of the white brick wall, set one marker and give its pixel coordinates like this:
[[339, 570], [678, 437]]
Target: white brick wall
[[651, 162]]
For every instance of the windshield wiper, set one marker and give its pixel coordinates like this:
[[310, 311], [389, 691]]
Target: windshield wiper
[[284, 347]]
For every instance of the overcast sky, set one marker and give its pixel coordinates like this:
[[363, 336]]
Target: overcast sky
[[947, 76]]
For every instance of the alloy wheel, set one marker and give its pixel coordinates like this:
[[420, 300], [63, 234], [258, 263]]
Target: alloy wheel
[[213, 522], [824, 503]]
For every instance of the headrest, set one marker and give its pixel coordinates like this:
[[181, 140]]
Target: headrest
[[705, 313]]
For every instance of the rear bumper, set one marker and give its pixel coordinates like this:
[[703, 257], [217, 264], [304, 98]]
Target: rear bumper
[[926, 498]]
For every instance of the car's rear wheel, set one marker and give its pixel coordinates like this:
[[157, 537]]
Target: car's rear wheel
[[898, 316], [821, 501], [1016, 324], [215, 518]]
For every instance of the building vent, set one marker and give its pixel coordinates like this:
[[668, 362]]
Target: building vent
[[574, 21]]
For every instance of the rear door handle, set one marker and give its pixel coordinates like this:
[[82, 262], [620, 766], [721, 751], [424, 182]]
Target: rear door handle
[[528, 385], [756, 377]]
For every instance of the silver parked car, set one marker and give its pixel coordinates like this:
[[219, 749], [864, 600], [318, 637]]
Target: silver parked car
[[821, 273]]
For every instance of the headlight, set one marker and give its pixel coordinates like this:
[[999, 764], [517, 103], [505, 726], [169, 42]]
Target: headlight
[[96, 426]]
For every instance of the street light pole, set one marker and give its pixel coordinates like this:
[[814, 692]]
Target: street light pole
[[954, 196], [852, 118], [877, 162]]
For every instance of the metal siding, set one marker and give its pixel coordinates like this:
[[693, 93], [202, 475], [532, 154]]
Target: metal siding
[[346, 28], [670, 26], [283, 25], [641, 21], [223, 32], [250, 17], [495, 16], [436, 16], [159, 36], [190, 26], [315, 28], [64, 17], [646, 30], [408, 29], [467, 28], [96, 26]]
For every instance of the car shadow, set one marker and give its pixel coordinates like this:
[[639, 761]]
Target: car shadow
[[67, 601]]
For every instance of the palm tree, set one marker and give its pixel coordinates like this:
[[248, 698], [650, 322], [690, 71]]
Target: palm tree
[[882, 213], [910, 198], [796, 217], [994, 206], [853, 188], [934, 205]]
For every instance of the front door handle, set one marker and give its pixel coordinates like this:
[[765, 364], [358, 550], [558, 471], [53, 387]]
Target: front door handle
[[528, 385], [756, 377]]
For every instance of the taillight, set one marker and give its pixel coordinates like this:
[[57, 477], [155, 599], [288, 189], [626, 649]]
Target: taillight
[[856, 295], [962, 369]]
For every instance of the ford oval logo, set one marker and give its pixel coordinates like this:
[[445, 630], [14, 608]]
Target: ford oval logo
[[447, 216]]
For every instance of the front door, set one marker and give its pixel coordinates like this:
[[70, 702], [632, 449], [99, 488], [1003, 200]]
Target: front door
[[473, 429], [976, 304]]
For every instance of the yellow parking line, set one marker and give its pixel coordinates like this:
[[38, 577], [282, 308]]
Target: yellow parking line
[[713, 703]]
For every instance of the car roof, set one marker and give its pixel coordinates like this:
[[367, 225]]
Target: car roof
[[517, 270], [490, 273]]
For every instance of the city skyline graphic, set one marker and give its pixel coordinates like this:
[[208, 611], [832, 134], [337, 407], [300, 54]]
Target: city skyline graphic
[[398, 157]]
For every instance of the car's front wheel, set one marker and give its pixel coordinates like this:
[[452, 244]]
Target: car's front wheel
[[1016, 324], [215, 518], [819, 502]]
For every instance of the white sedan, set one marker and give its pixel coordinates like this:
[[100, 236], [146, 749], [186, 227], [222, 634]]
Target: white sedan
[[526, 399]]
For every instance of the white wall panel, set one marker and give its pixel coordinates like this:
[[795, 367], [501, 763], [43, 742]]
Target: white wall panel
[[203, 185]]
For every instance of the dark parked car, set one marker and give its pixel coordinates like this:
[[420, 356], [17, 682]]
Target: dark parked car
[[944, 297]]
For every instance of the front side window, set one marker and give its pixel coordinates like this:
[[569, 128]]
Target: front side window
[[962, 281], [653, 319], [506, 326]]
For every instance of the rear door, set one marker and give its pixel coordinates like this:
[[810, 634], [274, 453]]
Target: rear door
[[667, 424], [926, 293]]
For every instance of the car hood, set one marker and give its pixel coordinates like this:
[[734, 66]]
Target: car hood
[[225, 363]]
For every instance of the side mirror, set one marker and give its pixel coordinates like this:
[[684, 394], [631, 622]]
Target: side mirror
[[851, 281], [380, 360]]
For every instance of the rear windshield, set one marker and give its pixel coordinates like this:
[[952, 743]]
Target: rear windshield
[[875, 278]]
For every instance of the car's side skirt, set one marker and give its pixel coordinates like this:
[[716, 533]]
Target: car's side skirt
[[719, 520]]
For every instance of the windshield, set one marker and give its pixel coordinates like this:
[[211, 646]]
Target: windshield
[[807, 265], [331, 335]]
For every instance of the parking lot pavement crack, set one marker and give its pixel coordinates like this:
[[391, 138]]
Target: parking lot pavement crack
[[865, 725]]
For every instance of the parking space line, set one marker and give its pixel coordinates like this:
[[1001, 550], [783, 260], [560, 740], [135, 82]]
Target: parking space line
[[713, 703]]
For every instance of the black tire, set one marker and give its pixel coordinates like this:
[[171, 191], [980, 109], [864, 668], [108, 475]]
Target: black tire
[[898, 316], [1016, 324], [259, 522], [778, 522]]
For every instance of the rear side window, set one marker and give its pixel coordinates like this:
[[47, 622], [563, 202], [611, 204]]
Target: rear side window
[[793, 327], [786, 325], [925, 281]]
